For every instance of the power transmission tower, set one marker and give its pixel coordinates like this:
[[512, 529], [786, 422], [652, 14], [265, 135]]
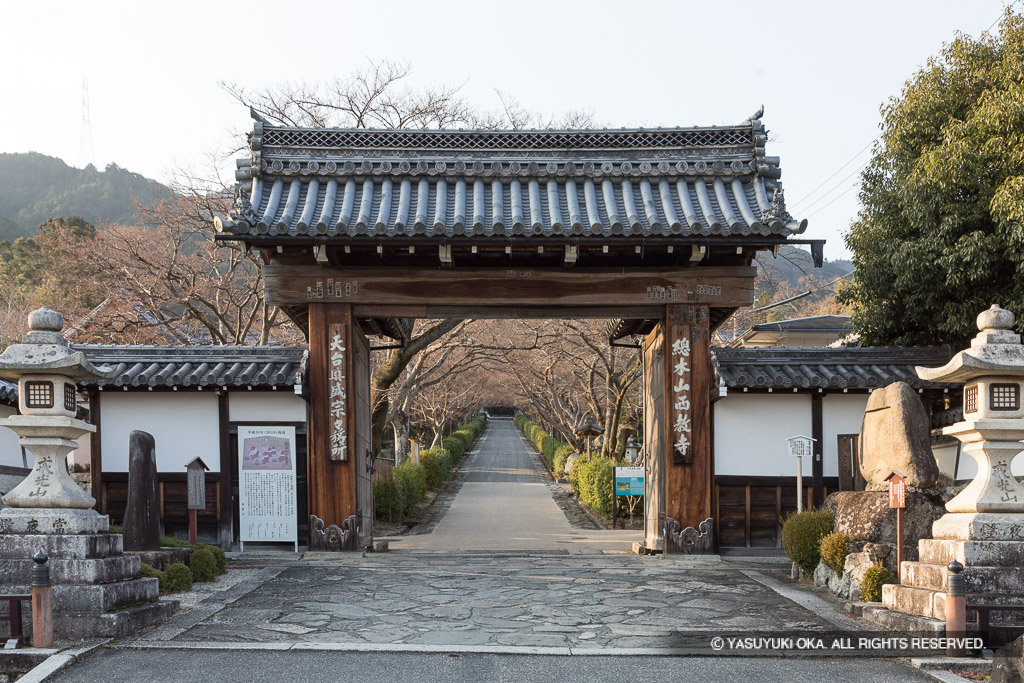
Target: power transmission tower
[[86, 152]]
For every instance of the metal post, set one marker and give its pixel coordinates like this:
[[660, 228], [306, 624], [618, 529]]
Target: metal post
[[42, 603], [956, 610], [799, 483], [615, 501]]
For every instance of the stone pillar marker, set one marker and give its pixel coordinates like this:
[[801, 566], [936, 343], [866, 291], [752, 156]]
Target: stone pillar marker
[[984, 525], [97, 590], [142, 513]]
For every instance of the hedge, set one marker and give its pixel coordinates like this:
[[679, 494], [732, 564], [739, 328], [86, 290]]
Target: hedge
[[547, 445], [410, 480]]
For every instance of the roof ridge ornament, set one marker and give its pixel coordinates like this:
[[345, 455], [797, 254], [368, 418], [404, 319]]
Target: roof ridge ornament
[[777, 210], [755, 116]]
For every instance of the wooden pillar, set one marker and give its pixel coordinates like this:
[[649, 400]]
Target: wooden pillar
[[225, 505], [95, 454], [689, 379], [330, 476], [817, 448], [655, 433]]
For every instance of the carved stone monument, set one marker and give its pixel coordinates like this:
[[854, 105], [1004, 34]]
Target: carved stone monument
[[97, 590], [894, 436], [142, 513], [984, 525]]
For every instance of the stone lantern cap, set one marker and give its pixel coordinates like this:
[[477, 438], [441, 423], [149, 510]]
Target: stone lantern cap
[[44, 350], [996, 350]]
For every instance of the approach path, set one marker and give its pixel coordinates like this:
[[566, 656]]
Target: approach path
[[505, 503]]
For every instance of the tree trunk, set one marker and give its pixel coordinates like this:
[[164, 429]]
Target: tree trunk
[[401, 425]]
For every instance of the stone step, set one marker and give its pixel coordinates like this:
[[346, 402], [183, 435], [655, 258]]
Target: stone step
[[977, 579], [104, 597], [898, 621], [983, 553], [125, 622], [910, 600], [96, 570], [20, 546], [979, 526]]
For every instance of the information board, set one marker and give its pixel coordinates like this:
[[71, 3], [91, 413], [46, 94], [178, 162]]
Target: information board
[[629, 481], [266, 485]]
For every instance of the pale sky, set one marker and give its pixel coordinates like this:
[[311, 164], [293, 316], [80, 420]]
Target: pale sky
[[821, 69]]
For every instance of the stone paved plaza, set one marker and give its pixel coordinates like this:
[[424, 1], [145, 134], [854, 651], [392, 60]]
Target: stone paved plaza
[[521, 601]]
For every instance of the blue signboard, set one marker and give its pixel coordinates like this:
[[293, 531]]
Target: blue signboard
[[629, 481]]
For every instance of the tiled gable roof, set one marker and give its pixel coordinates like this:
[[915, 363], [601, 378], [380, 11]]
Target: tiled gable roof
[[837, 368], [352, 183], [198, 366]]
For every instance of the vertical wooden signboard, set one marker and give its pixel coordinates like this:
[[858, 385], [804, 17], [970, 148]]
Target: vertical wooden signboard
[[331, 483], [689, 378]]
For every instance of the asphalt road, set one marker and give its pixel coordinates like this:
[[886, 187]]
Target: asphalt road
[[159, 666], [505, 503]]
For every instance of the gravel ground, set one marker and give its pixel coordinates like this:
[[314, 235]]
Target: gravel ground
[[201, 591]]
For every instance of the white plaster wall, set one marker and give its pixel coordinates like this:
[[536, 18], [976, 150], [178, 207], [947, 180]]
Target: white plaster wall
[[945, 457], [840, 414], [185, 425], [751, 432], [266, 406], [10, 451]]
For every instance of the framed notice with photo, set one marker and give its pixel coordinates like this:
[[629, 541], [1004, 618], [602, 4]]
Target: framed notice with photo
[[266, 485]]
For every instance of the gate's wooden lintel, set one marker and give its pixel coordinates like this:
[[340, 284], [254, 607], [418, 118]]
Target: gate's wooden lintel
[[513, 287]]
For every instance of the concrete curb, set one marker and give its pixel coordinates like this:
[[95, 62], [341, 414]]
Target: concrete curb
[[806, 600], [938, 667], [394, 648], [62, 660]]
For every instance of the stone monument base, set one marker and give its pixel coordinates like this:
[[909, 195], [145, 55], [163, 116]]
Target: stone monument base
[[989, 545], [97, 589]]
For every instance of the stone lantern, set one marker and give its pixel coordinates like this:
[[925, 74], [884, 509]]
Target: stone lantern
[[97, 589], [992, 371], [47, 371], [984, 526]]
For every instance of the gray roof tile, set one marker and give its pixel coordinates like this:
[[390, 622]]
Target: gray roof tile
[[838, 368], [198, 366], [352, 183]]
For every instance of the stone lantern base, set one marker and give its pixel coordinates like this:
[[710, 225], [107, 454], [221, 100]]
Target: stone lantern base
[[989, 545], [97, 590]]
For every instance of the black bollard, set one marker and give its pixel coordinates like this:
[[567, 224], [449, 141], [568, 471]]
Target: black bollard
[[142, 514]]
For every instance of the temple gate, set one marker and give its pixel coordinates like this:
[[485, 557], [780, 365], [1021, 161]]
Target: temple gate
[[655, 228]]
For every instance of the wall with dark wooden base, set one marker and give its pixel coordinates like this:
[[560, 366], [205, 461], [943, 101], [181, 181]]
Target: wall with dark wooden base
[[749, 511]]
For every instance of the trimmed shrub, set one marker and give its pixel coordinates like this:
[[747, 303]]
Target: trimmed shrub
[[203, 565], [411, 483], [148, 571], [116, 529], [218, 554], [801, 535], [574, 474], [176, 578], [454, 446], [596, 480], [875, 577], [381, 500], [833, 550], [437, 466], [562, 453], [174, 542]]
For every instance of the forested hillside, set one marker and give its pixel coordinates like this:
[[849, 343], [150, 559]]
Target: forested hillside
[[35, 187]]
